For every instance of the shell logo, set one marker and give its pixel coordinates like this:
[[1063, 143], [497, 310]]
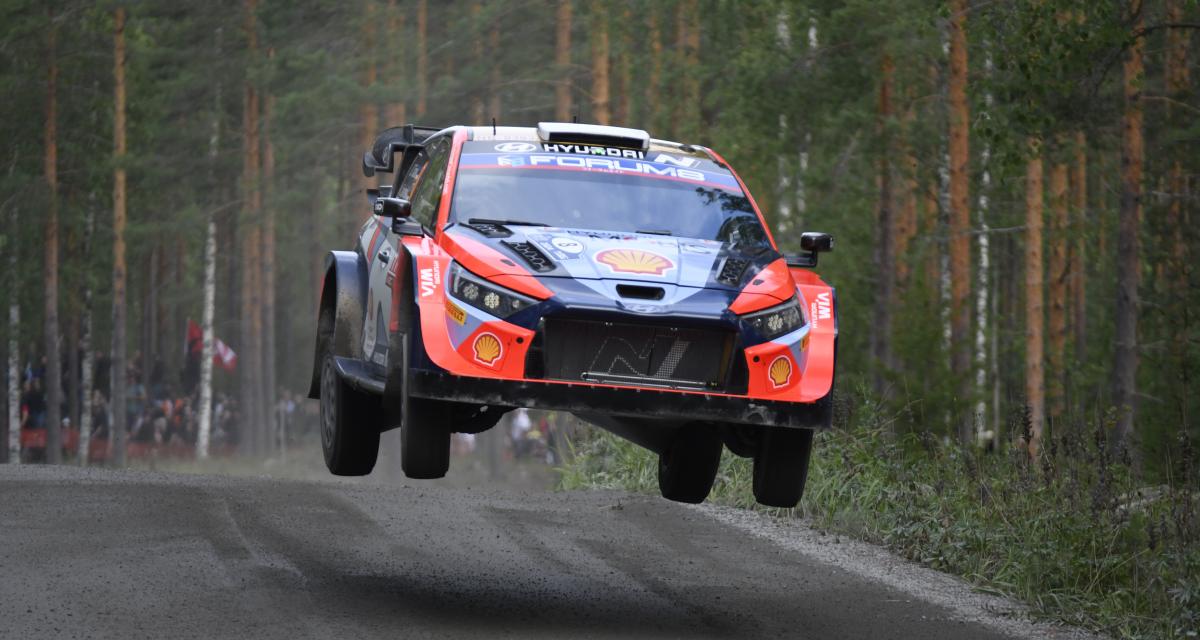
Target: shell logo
[[634, 261], [780, 371], [487, 349]]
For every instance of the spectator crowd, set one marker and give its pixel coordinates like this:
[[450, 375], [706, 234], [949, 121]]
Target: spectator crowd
[[157, 412]]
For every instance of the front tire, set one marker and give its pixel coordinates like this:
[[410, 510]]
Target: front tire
[[781, 466], [349, 429], [687, 469], [425, 439]]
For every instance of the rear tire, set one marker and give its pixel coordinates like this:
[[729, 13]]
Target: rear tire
[[425, 439], [781, 466], [349, 424], [687, 469]]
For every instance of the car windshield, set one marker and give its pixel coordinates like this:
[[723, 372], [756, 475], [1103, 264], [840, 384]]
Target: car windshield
[[606, 194]]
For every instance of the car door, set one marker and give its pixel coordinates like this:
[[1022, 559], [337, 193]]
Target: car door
[[422, 185]]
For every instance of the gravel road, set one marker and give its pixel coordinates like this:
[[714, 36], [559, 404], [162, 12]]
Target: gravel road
[[107, 554]]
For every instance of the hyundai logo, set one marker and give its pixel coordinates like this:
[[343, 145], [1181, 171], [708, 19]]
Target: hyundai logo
[[516, 147]]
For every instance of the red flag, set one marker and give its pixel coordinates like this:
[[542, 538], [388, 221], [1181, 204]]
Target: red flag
[[223, 356], [195, 337]]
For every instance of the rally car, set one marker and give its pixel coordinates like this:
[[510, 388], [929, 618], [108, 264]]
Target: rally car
[[590, 269]]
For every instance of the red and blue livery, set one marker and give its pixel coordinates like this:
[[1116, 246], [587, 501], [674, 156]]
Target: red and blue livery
[[630, 281]]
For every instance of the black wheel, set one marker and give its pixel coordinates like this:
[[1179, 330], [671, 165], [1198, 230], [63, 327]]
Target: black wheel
[[425, 439], [687, 469], [349, 424], [781, 466]]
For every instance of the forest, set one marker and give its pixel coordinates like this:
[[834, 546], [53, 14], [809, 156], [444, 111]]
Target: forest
[[1010, 184]]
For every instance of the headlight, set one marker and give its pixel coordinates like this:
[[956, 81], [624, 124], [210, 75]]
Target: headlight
[[484, 295], [777, 321]]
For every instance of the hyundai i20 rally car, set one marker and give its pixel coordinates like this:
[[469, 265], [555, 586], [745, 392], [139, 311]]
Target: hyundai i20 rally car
[[581, 268]]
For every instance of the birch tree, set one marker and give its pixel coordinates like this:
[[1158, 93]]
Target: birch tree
[[14, 343], [208, 304], [88, 365]]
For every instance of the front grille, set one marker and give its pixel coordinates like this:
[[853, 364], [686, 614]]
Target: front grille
[[635, 354]]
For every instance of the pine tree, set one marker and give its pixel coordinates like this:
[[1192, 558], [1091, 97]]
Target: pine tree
[[119, 427], [1128, 303], [562, 62], [53, 379], [960, 214]]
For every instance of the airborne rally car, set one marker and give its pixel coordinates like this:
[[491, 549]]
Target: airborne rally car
[[580, 268]]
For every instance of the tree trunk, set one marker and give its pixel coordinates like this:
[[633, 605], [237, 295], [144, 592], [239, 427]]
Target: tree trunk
[[1178, 260], [960, 215], [369, 111], [397, 111], [268, 268], [624, 107], [204, 417], [422, 57], [53, 379], [477, 104], [118, 430], [87, 367], [494, 74], [1033, 303], [929, 228], [599, 41], [885, 257], [1056, 270], [1125, 363], [150, 315], [984, 358], [650, 108], [687, 103], [248, 360], [206, 353], [906, 220], [562, 62], [1079, 196], [14, 345], [692, 77], [71, 384]]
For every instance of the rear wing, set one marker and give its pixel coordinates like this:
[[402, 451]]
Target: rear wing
[[382, 155]]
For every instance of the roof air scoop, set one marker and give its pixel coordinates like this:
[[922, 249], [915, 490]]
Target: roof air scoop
[[593, 134]]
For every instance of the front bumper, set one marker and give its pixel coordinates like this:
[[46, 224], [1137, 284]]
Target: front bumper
[[626, 402]]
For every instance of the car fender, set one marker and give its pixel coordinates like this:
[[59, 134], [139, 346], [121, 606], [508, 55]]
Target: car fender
[[344, 288], [822, 312]]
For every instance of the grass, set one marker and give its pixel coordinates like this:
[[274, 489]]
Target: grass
[[1076, 537]]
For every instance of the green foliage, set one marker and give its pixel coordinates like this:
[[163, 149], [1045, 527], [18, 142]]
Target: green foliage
[[1077, 537]]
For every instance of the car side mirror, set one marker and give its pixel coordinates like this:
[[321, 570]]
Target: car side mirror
[[400, 211], [813, 242], [816, 241], [392, 207]]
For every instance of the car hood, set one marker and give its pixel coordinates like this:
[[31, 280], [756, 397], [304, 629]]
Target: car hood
[[581, 254]]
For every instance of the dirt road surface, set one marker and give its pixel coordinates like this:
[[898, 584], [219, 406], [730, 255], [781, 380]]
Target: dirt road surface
[[107, 554]]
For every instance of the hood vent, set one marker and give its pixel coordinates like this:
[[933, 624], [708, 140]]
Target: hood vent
[[640, 293], [731, 272], [490, 229], [531, 255]]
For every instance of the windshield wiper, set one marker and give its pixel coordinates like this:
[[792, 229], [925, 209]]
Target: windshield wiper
[[655, 232], [506, 222]]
